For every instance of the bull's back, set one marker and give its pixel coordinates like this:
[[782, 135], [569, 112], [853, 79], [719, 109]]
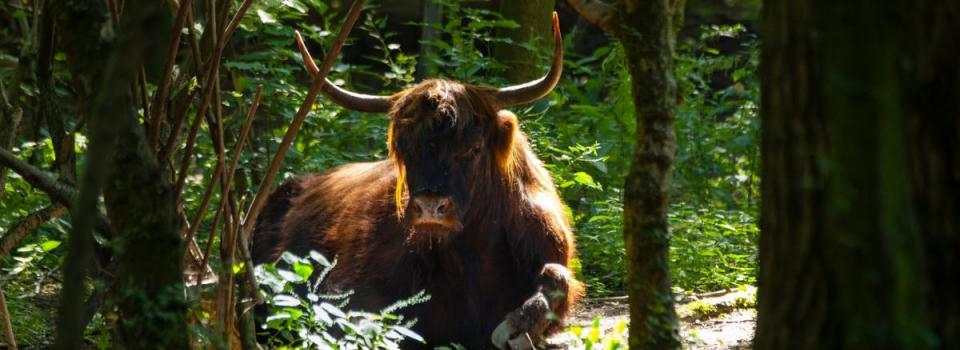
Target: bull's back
[[304, 213]]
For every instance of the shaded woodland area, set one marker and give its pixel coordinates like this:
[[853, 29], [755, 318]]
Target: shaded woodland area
[[805, 151]]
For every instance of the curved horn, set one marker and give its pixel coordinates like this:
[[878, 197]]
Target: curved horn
[[344, 98], [356, 101], [531, 91]]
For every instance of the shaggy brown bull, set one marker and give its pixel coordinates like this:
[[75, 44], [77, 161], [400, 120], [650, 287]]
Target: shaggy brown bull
[[462, 209]]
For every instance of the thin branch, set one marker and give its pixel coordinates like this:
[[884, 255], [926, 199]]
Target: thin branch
[[27, 224], [164, 85], [58, 191], [7, 325], [208, 89], [175, 129], [597, 12], [144, 100], [233, 166], [195, 223], [209, 247], [318, 80]]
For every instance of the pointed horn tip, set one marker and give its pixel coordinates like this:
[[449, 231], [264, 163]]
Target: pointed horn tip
[[305, 54], [556, 24], [557, 38]]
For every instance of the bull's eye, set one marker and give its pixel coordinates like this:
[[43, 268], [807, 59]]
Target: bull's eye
[[471, 153]]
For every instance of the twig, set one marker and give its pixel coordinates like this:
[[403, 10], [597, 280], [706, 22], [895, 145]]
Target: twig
[[208, 89], [195, 223], [233, 166], [143, 95], [175, 129], [209, 248], [164, 85], [318, 80], [7, 325], [27, 224], [227, 182]]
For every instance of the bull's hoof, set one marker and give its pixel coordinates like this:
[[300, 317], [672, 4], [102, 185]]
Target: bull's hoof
[[523, 328], [507, 337]]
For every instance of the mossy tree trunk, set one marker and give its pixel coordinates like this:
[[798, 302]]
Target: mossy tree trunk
[[861, 188], [147, 289], [646, 29], [535, 20]]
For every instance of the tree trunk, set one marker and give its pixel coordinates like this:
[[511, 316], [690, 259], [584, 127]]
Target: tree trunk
[[432, 15], [861, 189], [534, 18], [645, 31], [148, 286]]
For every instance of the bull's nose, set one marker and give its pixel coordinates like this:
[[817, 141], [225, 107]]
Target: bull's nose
[[432, 209]]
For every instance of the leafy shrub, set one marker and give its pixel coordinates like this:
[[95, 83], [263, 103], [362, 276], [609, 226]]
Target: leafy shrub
[[317, 320], [593, 338]]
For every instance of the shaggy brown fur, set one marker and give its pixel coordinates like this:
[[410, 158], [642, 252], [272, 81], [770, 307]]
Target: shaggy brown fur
[[513, 222]]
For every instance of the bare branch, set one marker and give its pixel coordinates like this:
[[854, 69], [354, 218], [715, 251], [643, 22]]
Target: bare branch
[[208, 89], [164, 85], [27, 224], [60, 192], [318, 80], [233, 167], [175, 128], [597, 12], [7, 326]]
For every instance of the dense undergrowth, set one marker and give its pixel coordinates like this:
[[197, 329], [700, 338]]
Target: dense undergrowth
[[583, 131]]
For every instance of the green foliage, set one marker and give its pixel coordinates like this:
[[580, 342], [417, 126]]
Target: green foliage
[[583, 132], [463, 51], [594, 338], [715, 188], [319, 321], [716, 178]]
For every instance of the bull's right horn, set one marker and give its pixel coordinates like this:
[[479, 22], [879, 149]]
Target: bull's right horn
[[345, 98], [531, 91]]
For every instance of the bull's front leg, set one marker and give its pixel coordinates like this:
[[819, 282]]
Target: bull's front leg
[[540, 315]]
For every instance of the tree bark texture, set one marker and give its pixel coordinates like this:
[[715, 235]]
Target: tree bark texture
[[861, 183], [535, 20], [645, 31], [148, 286]]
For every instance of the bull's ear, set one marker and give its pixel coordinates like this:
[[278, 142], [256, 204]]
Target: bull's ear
[[503, 141]]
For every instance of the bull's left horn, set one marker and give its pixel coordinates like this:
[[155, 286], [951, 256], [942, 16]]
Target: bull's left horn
[[531, 91]]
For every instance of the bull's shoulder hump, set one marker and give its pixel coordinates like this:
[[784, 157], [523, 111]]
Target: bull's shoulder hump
[[350, 180]]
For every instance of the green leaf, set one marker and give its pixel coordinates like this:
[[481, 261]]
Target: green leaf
[[289, 276], [286, 300], [408, 333], [266, 17], [49, 245], [585, 179], [302, 269], [237, 267]]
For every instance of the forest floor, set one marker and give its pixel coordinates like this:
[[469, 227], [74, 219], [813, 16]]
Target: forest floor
[[709, 321]]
